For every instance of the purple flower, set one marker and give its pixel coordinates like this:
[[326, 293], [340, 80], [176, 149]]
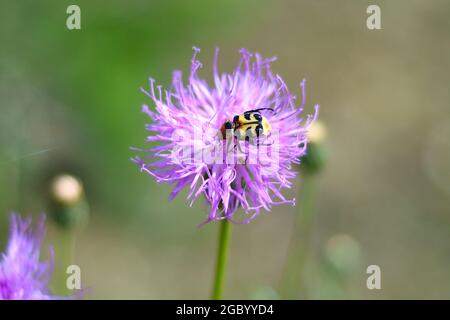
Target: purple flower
[[230, 171], [22, 275]]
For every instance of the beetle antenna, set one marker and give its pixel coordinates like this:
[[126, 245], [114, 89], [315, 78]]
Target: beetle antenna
[[257, 110]]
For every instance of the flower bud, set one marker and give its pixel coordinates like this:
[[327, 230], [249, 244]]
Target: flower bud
[[316, 153], [68, 206], [66, 189], [317, 132], [343, 253]]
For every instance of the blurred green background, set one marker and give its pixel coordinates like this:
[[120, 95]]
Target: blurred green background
[[70, 102]]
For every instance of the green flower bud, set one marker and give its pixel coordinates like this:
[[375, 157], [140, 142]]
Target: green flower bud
[[343, 253]]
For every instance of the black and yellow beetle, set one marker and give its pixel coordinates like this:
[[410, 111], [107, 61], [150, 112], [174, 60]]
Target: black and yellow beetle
[[249, 125]]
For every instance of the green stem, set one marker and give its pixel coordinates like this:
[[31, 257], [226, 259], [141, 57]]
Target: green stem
[[66, 247], [222, 257], [293, 286]]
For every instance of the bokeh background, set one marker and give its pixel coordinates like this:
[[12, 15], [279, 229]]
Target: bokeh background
[[70, 102]]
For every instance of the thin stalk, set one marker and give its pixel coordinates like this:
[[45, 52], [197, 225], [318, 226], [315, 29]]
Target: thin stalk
[[66, 246], [293, 286], [222, 257]]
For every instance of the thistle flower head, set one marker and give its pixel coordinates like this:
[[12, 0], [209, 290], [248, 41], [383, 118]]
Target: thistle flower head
[[231, 171], [22, 275]]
